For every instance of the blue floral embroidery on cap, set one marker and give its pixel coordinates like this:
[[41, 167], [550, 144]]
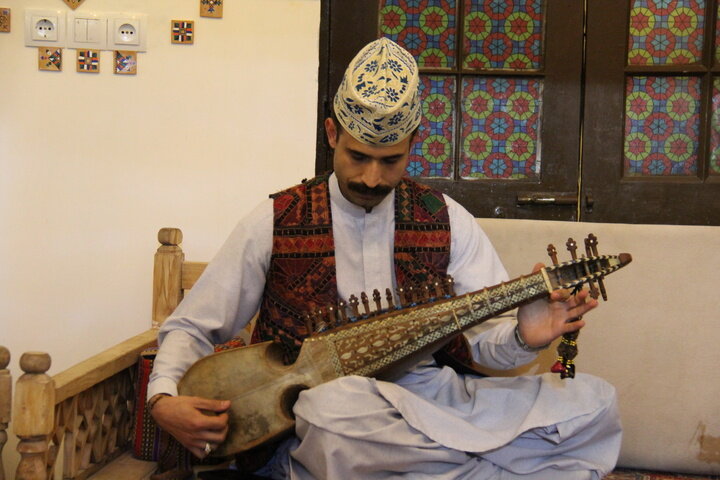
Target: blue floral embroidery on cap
[[395, 119]]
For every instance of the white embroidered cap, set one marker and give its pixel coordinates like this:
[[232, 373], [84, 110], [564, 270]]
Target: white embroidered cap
[[378, 101]]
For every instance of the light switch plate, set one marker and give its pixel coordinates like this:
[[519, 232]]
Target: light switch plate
[[87, 31]]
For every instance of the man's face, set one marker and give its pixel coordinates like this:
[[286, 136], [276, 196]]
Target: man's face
[[366, 174]]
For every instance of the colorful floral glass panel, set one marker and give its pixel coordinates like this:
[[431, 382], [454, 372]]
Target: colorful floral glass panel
[[426, 28], [432, 152], [715, 139], [662, 124], [666, 32], [500, 126], [503, 34]]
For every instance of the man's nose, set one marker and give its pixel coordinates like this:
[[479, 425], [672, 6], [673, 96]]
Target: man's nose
[[372, 174]]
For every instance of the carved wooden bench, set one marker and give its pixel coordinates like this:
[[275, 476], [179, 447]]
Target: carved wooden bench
[[87, 411]]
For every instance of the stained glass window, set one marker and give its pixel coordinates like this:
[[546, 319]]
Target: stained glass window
[[501, 118], [666, 32], [432, 151], [662, 125], [501, 34], [498, 117], [425, 28]]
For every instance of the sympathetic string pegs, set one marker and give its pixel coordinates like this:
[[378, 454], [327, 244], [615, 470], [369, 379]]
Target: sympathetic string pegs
[[353, 302], [449, 284], [376, 299], [390, 298], [342, 309], [437, 287], [309, 324], [365, 302], [402, 297], [331, 317]]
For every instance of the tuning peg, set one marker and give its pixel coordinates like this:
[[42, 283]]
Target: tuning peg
[[389, 298], [342, 310], [552, 253], [353, 302], [426, 293], [365, 302], [318, 320], [571, 245], [402, 297], [309, 325], [376, 299], [449, 286], [331, 315], [591, 243], [437, 287], [572, 248], [412, 295]]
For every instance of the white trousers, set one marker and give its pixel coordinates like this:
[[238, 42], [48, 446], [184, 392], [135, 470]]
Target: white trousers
[[439, 425]]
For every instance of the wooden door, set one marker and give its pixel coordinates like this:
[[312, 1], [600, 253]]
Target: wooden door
[[500, 132], [651, 150]]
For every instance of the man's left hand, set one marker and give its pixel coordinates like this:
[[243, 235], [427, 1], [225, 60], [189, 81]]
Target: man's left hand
[[544, 320]]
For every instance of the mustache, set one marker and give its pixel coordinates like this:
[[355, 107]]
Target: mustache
[[377, 191]]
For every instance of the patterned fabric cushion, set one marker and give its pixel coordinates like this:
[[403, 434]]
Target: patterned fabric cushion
[[149, 441]]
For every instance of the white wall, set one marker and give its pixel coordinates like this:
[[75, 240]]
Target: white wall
[[92, 165]]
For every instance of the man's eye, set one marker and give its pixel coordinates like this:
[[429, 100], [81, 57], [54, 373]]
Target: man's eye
[[358, 157]]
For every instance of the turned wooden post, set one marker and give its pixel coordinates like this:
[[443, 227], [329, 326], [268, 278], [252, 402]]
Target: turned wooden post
[[5, 402], [33, 415], [167, 275]]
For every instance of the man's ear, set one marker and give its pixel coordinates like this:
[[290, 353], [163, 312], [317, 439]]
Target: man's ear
[[331, 132]]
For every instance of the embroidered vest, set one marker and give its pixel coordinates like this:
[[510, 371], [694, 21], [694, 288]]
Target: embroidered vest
[[302, 274]]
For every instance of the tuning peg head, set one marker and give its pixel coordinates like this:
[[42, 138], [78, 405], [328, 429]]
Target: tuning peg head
[[390, 299], [309, 326], [593, 242], [449, 286], [342, 310], [365, 302], [377, 300], [572, 247], [552, 253], [402, 297], [354, 302]]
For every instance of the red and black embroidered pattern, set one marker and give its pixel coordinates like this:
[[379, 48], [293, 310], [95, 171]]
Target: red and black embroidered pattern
[[302, 273], [301, 277]]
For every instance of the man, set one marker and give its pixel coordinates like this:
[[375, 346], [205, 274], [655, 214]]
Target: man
[[358, 230]]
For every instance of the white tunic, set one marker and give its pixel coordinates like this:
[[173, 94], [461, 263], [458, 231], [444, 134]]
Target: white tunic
[[475, 427]]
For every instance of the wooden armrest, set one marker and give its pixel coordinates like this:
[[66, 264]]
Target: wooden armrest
[[84, 375]]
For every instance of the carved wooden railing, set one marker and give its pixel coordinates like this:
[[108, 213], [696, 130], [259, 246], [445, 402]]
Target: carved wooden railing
[[85, 410], [5, 402]]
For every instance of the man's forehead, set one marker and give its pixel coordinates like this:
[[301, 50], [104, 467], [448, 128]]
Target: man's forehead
[[384, 151]]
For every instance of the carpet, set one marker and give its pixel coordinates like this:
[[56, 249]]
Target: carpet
[[622, 474]]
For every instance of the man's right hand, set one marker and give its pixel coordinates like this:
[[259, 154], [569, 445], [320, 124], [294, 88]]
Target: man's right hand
[[183, 418]]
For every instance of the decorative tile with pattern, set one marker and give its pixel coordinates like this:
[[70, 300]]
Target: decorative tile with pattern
[[666, 32], [662, 124], [500, 127], [432, 152], [427, 29], [503, 34]]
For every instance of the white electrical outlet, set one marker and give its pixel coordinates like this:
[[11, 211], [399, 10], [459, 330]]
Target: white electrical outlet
[[127, 32], [44, 28]]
